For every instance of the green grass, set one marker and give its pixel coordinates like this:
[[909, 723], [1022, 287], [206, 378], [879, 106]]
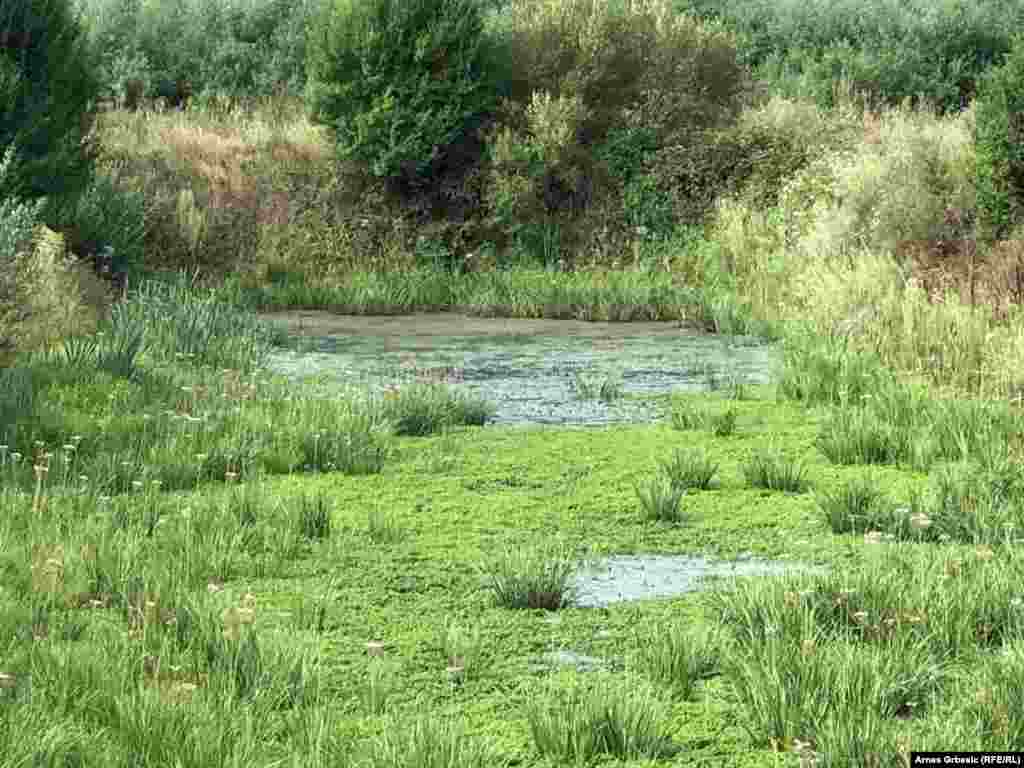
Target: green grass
[[425, 741], [690, 469], [771, 470], [856, 507], [662, 500], [533, 578], [588, 387], [724, 424], [679, 658], [207, 566], [578, 721], [203, 565]]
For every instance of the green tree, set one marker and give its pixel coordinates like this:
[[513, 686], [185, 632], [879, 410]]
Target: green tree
[[48, 97], [999, 142], [400, 81]]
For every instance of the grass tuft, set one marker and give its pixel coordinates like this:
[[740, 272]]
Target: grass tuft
[[856, 507], [773, 471], [678, 658], [691, 468], [314, 518], [428, 742], [532, 577], [579, 720], [660, 500], [606, 389], [724, 424], [685, 417]]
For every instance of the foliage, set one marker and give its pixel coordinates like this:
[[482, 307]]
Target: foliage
[[1000, 145], [109, 215], [399, 83], [893, 51], [48, 87], [596, 90], [583, 719], [17, 223], [43, 294], [727, 160], [198, 46]]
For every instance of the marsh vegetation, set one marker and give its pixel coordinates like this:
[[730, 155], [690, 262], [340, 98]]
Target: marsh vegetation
[[205, 564]]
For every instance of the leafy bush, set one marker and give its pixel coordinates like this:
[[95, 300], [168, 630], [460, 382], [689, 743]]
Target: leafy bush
[[17, 223], [727, 160], [999, 118], [237, 51], [109, 216], [43, 295], [110, 28], [891, 50], [596, 90], [47, 85], [399, 83]]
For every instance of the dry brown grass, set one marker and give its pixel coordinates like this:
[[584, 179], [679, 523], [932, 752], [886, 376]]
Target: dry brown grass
[[220, 183], [991, 277]]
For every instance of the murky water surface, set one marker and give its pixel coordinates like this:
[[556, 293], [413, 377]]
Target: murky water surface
[[527, 368], [647, 577], [624, 578]]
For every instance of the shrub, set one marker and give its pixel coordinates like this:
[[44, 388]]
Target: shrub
[[110, 28], [17, 223], [43, 294], [892, 51], [596, 90], [48, 87], [999, 120], [725, 161], [398, 83]]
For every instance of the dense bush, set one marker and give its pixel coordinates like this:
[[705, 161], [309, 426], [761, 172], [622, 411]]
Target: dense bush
[[47, 87], [43, 294], [596, 90], [17, 225], [48, 90], [186, 48], [890, 50], [398, 84], [999, 121], [728, 161]]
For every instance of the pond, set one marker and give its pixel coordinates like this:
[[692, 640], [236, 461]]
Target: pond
[[527, 368]]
